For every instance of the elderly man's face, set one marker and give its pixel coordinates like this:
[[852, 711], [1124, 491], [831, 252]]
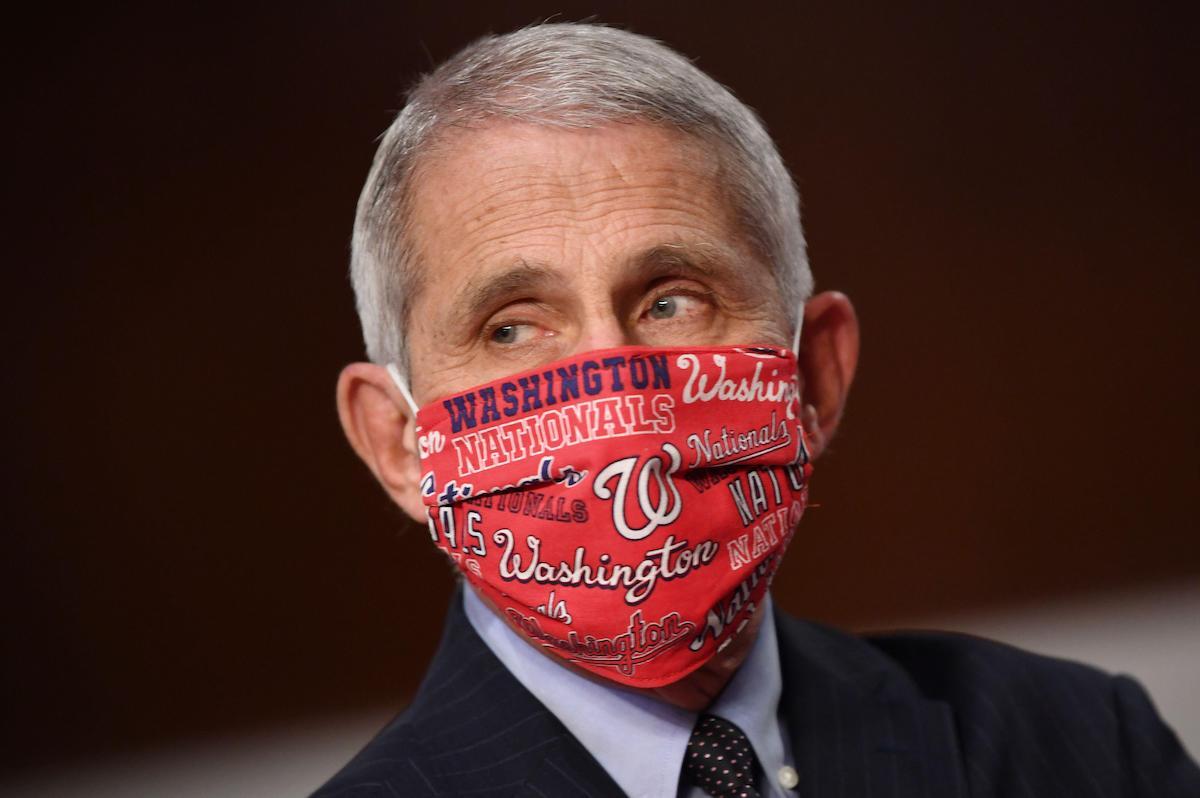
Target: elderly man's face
[[537, 243]]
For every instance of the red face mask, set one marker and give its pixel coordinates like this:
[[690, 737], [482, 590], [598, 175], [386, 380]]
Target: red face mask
[[625, 508]]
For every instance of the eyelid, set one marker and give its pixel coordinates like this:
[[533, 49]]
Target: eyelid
[[520, 313], [677, 283], [511, 313], [491, 329], [668, 289]]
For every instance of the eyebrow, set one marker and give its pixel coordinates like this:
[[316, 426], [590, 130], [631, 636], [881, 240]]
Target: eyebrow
[[483, 293], [699, 259]]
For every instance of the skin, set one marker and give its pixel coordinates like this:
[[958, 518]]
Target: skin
[[539, 243]]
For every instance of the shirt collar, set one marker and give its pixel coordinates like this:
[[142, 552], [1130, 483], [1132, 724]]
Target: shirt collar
[[641, 741]]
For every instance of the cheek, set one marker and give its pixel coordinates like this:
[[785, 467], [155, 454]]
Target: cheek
[[760, 325], [766, 320], [437, 373]]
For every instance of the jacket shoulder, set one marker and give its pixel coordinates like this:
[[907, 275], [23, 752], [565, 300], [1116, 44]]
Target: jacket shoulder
[[964, 670], [471, 729], [389, 765], [1018, 714]]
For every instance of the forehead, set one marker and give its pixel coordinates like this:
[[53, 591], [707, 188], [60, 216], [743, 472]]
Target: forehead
[[576, 227], [508, 189]]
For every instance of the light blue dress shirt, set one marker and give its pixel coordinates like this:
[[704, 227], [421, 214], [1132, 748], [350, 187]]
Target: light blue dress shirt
[[639, 740]]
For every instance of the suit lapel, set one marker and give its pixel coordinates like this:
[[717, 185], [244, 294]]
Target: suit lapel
[[857, 725], [484, 730], [570, 771]]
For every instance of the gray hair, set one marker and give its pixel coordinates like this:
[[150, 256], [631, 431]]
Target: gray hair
[[571, 75]]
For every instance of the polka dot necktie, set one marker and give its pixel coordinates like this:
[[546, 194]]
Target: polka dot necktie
[[720, 761]]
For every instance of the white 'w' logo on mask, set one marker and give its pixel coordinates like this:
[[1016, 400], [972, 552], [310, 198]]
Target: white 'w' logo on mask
[[657, 512]]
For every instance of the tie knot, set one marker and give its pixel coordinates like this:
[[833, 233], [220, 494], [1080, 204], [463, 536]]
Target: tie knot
[[720, 760]]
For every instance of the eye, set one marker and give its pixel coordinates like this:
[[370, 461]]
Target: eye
[[664, 308], [510, 333], [671, 306]]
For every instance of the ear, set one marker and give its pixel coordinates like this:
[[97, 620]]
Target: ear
[[380, 427], [828, 356]]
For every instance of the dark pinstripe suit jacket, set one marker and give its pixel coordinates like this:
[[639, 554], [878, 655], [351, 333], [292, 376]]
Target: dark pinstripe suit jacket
[[923, 716]]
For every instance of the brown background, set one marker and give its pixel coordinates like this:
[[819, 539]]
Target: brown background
[[1008, 195]]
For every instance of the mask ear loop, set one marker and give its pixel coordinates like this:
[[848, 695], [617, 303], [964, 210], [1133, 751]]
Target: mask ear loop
[[402, 386], [799, 329]]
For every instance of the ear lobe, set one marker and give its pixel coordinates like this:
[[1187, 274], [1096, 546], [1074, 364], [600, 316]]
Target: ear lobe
[[828, 358], [380, 429]]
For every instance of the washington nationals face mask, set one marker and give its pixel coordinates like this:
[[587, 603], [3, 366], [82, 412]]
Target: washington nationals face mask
[[625, 508]]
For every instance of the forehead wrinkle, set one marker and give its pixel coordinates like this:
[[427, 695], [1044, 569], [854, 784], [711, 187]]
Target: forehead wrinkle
[[583, 184], [528, 199], [533, 228]]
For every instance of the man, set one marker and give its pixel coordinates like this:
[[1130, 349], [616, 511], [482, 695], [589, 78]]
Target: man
[[601, 378]]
